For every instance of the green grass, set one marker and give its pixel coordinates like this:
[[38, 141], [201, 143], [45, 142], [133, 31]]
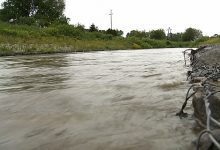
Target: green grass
[[23, 40]]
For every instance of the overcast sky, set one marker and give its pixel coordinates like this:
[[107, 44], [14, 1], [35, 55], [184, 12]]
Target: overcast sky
[[147, 14]]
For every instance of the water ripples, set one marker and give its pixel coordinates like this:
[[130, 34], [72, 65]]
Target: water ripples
[[101, 100]]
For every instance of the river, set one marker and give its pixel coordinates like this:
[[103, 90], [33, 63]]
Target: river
[[107, 100]]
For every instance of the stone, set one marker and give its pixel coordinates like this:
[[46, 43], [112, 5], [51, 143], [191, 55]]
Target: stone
[[205, 142], [205, 74], [199, 108]]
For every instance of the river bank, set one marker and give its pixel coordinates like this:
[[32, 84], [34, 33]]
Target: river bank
[[25, 40], [48, 45], [17, 45]]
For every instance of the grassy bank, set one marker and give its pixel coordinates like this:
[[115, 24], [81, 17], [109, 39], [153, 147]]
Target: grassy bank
[[23, 40], [10, 45], [207, 41]]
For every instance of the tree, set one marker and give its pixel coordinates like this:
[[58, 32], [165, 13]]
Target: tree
[[13, 9], [176, 36], [138, 34], [158, 34], [191, 34], [114, 32], [81, 27], [215, 35], [49, 10], [93, 28], [42, 10]]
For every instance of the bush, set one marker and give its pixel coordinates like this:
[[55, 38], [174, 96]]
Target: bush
[[146, 45], [202, 39], [64, 30], [136, 46], [191, 34], [8, 32], [158, 34], [97, 35], [26, 21], [155, 43]]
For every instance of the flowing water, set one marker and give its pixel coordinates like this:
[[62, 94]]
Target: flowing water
[[110, 100]]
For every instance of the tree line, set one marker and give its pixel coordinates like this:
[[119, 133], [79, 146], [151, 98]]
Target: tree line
[[45, 13], [190, 34]]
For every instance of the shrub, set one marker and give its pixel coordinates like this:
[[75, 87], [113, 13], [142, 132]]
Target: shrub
[[158, 34], [26, 21], [63, 30], [136, 46]]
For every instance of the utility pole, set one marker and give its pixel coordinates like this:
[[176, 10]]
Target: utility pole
[[169, 32], [32, 8], [111, 18]]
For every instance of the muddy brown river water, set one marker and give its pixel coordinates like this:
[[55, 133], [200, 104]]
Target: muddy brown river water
[[109, 100]]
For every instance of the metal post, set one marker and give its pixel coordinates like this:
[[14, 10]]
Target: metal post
[[111, 18], [169, 32], [32, 8]]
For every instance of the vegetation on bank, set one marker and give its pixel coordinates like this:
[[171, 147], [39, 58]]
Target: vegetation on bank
[[24, 39], [39, 27]]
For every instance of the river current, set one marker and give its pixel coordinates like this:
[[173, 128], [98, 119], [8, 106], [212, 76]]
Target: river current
[[107, 100]]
